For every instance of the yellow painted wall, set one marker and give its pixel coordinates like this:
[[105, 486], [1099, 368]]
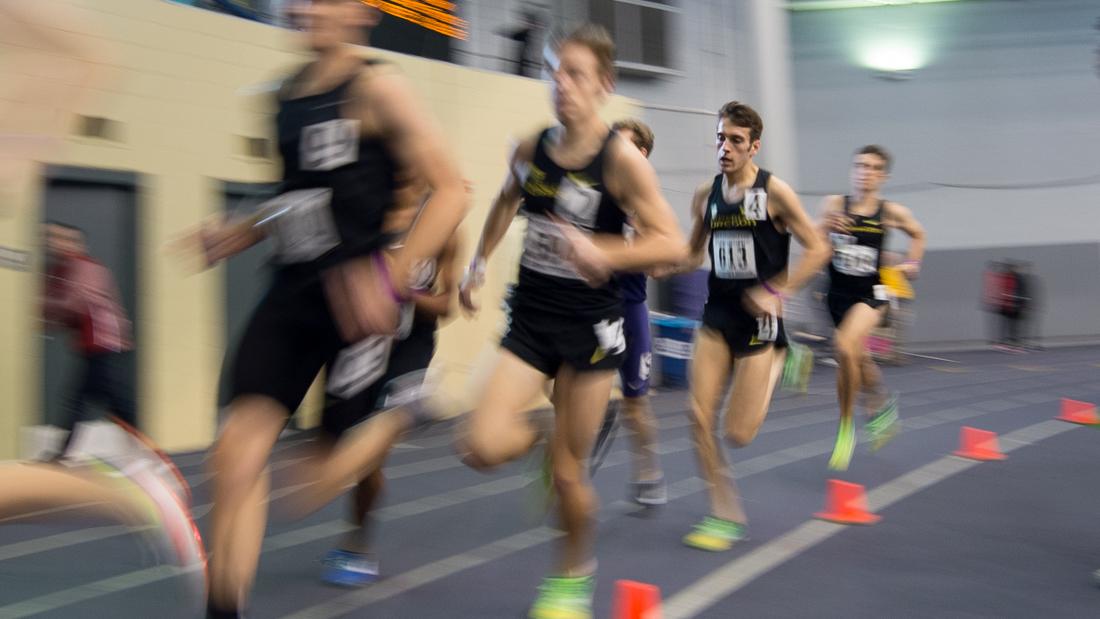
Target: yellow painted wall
[[177, 79]]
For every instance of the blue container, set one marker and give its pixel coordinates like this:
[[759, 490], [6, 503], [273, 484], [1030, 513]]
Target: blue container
[[672, 348]]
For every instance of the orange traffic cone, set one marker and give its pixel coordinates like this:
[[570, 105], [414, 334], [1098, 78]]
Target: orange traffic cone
[[1075, 411], [845, 503], [978, 445], [636, 600]]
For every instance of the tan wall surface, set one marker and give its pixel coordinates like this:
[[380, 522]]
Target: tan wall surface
[[180, 82]]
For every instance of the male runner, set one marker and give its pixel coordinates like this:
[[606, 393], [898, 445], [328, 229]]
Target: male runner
[[345, 127], [577, 181], [744, 219], [857, 300]]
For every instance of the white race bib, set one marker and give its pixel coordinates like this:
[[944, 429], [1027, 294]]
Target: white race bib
[[610, 336], [755, 205], [544, 249], [359, 365], [855, 260], [329, 145], [301, 224], [767, 328], [734, 254], [576, 203]]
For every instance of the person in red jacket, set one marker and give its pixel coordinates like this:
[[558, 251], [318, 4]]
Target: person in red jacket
[[81, 296]]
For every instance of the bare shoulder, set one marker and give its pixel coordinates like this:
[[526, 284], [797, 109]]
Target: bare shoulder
[[895, 212]]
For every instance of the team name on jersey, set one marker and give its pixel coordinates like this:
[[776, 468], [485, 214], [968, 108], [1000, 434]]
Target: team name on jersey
[[732, 220], [867, 229]]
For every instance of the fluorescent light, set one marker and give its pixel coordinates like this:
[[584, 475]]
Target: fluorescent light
[[895, 54]]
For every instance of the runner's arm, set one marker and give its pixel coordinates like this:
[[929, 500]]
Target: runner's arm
[[420, 147], [902, 219]]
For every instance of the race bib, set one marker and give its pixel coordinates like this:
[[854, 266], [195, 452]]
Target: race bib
[[856, 260], [767, 328], [734, 254], [755, 205], [301, 224], [545, 249], [610, 336], [329, 145], [577, 203], [358, 366], [881, 293]]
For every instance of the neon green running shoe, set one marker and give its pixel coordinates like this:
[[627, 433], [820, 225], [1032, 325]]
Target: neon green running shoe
[[845, 446], [564, 597], [882, 427], [715, 534], [797, 368]]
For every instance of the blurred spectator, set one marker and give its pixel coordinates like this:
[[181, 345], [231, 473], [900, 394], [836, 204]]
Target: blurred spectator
[[81, 296]]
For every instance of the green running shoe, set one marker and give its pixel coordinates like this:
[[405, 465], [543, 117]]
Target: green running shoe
[[882, 427], [845, 446], [564, 597], [715, 534]]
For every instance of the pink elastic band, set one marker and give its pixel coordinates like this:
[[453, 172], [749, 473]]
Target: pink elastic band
[[773, 291], [385, 272]]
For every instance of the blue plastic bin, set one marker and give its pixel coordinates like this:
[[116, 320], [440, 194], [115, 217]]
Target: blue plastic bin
[[672, 346]]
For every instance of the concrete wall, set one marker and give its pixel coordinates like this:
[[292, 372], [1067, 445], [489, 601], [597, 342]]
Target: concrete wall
[[181, 83]]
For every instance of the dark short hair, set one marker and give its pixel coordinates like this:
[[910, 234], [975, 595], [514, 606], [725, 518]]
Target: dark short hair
[[643, 135], [742, 115], [878, 151]]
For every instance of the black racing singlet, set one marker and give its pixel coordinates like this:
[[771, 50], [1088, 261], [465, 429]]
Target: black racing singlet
[[745, 246], [854, 270], [337, 184], [547, 280]]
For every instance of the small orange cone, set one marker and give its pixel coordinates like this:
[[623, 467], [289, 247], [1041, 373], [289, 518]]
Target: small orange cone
[[636, 600], [978, 445], [1075, 411], [845, 503]]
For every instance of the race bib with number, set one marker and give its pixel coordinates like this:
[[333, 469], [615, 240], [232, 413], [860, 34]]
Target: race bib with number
[[767, 328], [734, 254], [301, 224], [545, 249], [856, 260], [358, 366], [755, 205], [329, 145]]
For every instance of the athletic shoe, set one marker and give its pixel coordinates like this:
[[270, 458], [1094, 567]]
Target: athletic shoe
[[845, 445], [650, 492], [562, 597], [715, 534], [882, 427], [797, 368], [344, 568]]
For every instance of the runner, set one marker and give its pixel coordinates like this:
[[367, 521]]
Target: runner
[[345, 126], [743, 219], [857, 300], [577, 182]]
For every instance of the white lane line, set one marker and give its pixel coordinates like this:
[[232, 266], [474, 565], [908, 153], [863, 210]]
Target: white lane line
[[731, 577], [448, 566], [743, 469]]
